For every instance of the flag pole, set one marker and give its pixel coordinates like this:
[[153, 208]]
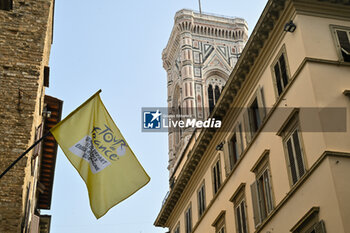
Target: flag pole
[[200, 7], [24, 153]]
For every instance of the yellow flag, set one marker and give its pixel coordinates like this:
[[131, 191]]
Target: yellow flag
[[94, 145]]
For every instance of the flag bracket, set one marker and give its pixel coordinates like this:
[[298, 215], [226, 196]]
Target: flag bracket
[[24, 153]]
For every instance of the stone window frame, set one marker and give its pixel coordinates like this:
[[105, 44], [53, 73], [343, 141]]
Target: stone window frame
[[203, 204], [239, 199], [310, 223], [177, 228], [257, 98], [216, 181], [289, 127], [219, 223], [334, 29], [230, 164], [188, 219], [262, 170]]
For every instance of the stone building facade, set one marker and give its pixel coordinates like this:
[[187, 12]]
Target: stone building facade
[[281, 160], [201, 53], [26, 29]]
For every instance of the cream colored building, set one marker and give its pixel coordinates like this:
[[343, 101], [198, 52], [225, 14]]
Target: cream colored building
[[281, 161]]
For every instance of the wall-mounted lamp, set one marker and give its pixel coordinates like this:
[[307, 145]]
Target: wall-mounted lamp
[[46, 113], [220, 146], [290, 26]]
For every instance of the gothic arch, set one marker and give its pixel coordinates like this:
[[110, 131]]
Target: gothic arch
[[214, 83], [176, 110]]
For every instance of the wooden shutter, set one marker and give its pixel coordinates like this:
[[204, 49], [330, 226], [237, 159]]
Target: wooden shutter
[[218, 170], [238, 138], [298, 153], [227, 153], [255, 201], [320, 227], [261, 103], [268, 190], [238, 219], [248, 135], [38, 134], [278, 80], [291, 161]]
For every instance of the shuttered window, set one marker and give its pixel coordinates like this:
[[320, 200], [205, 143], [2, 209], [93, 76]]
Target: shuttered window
[[221, 230], [234, 149], [188, 220], [261, 197], [343, 37], [217, 176], [201, 200], [310, 223], [317, 228], [219, 223], [254, 115], [295, 156], [281, 74], [234, 153], [177, 228], [241, 218]]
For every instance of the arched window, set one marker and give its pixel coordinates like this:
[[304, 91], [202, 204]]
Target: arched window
[[217, 93], [215, 84], [211, 98]]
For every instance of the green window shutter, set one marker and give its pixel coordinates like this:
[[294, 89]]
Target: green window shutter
[[320, 227], [227, 154], [239, 139], [261, 103], [255, 201], [248, 135]]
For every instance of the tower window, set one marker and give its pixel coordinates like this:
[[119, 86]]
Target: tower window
[[213, 96], [217, 94]]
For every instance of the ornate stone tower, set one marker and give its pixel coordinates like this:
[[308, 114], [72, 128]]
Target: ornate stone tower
[[201, 53], [26, 113]]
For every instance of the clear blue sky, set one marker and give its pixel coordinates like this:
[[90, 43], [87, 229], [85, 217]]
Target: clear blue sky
[[116, 46]]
